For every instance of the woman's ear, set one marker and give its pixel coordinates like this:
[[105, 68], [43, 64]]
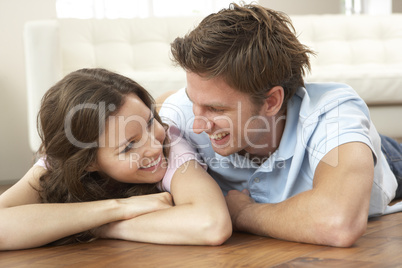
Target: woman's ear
[[274, 100], [92, 167]]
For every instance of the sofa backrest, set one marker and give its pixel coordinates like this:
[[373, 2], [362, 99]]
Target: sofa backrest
[[362, 51], [137, 48]]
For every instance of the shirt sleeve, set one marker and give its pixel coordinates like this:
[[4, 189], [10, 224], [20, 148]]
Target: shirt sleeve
[[180, 153], [41, 163], [341, 123]]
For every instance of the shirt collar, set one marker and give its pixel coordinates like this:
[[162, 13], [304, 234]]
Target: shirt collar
[[287, 145]]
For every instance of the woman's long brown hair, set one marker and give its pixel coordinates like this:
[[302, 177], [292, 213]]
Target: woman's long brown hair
[[70, 122]]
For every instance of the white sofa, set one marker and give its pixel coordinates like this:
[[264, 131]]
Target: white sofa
[[363, 51]]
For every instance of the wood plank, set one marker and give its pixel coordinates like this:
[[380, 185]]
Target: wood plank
[[380, 246], [319, 263]]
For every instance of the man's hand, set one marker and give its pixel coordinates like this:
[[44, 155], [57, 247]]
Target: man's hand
[[237, 202]]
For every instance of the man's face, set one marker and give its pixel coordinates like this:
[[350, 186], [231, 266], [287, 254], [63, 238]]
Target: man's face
[[232, 122]]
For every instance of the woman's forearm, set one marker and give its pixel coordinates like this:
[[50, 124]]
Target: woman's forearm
[[35, 225], [184, 224]]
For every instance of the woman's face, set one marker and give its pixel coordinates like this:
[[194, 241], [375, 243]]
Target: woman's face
[[130, 149]]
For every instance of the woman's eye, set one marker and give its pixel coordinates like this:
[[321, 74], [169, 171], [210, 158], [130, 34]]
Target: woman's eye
[[128, 147], [150, 122]]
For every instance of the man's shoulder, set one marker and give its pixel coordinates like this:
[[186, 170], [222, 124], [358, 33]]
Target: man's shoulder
[[179, 97], [328, 90], [321, 97], [176, 108]]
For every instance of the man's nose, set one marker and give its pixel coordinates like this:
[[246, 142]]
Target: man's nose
[[202, 124]]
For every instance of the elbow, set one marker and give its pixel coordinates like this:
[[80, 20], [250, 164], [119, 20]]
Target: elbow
[[5, 243], [218, 236], [341, 232], [2, 245], [216, 230]]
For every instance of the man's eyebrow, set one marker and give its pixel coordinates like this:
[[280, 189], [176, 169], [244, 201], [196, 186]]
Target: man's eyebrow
[[214, 105]]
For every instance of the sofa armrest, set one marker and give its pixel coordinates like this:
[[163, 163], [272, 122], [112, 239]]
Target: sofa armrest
[[43, 68]]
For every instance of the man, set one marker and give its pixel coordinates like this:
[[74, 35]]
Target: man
[[296, 161]]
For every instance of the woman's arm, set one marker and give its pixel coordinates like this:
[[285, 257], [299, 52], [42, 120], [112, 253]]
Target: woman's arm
[[27, 223], [199, 217]]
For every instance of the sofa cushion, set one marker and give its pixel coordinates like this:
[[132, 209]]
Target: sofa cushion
[[360, 50], [137, 48]]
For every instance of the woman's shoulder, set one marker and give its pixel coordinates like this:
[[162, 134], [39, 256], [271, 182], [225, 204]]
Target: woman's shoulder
[[25, 191]]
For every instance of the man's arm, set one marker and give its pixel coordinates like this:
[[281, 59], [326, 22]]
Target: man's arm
[[333, 213]]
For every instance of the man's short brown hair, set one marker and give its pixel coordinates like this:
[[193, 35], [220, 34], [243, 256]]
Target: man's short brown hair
[[251, 47]]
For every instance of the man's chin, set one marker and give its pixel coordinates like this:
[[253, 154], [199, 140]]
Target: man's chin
[[224, 151]]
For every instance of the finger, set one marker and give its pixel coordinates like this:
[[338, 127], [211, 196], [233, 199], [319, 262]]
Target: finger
[[246, 192], [233, 192]]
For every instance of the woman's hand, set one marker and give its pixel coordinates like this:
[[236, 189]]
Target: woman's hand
[[135, 206], [48, 222], [143, 204]]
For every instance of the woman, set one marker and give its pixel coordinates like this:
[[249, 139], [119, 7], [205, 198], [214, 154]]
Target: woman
[[102, 169]]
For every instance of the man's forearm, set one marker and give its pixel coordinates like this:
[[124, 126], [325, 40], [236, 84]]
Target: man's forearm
[[334, 212], [301, 218]]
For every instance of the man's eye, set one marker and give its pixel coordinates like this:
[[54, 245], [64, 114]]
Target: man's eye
[[128, 147], [215, 110]]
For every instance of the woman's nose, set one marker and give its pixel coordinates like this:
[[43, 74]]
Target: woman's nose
[[152, 146], [155, 138]]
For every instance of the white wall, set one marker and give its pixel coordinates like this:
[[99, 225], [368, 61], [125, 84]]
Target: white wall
[[397, 6], [304, 7], [15, 155]]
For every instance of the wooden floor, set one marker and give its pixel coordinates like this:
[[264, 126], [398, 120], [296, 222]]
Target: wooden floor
[[380, 246]]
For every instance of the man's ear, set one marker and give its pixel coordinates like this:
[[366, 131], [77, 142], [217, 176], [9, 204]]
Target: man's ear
[[274, 100]]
